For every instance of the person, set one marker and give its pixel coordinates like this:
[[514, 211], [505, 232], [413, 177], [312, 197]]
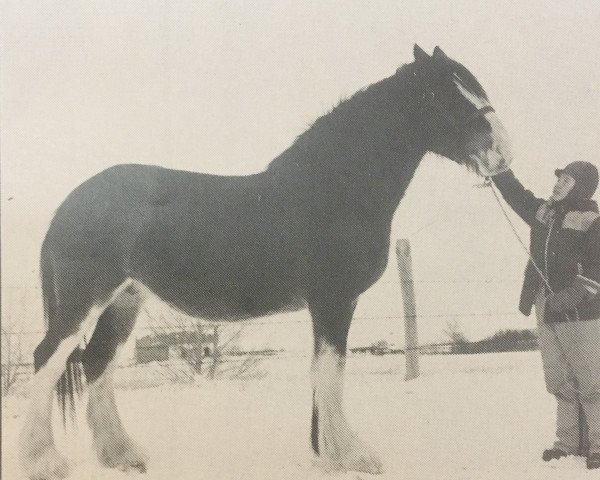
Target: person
[[562, 280]]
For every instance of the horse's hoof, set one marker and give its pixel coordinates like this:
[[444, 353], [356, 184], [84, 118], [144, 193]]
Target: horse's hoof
[[48, 465], [358, 458], [127, 467], [125, 456], [365, 462]]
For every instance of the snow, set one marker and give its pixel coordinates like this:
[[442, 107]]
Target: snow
[[467, 417]]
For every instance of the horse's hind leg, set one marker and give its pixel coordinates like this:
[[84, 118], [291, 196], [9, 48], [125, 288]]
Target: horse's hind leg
[[38, 455], [69, 320], [114, 447], [331, 436]]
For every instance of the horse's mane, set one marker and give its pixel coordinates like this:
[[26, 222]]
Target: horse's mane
[[349, 124]]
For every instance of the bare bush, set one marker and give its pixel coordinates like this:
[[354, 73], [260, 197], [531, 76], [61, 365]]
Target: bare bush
[[457, 337], [12, 356], [207, 349]]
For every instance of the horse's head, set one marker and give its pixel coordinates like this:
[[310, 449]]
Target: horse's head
[[457, 115]]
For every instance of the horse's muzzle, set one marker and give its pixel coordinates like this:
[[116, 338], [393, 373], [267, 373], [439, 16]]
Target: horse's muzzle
[[490, 162], [497, 158]]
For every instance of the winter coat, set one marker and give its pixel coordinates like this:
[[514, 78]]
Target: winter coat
[[565, 246]]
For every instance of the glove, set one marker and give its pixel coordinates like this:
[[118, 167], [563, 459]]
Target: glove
[[567, 298]]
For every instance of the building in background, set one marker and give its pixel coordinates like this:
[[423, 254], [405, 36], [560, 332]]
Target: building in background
[[166, 346]]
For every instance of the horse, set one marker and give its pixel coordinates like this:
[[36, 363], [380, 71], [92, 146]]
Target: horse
[[310, 231]]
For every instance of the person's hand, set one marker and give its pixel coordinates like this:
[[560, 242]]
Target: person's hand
[[567, 298]]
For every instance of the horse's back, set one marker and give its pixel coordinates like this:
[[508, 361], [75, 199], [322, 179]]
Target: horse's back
[[124, 196], [217, 246]]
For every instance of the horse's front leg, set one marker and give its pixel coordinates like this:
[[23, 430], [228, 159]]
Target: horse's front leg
[[332, 438]]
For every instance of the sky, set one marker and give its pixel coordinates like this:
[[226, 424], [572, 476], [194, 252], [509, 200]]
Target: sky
[[224, 87]]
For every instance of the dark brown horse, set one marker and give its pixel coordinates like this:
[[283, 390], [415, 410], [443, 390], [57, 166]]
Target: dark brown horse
[[311, 231]]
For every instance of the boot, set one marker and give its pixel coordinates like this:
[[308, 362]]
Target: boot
[[593, 461], [553, 454]]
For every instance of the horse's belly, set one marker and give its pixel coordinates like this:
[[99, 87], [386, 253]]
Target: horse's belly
[[230, 302]]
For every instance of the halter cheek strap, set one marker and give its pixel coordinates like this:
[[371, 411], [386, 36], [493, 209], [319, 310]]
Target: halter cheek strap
[[459, 125], [478, 114]]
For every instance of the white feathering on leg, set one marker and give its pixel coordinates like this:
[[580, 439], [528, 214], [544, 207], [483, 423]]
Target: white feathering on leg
[[339, 447], [38, 454], [113, 445]]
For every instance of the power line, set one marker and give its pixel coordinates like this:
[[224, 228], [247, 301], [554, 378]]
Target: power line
[[307, 321], [279, 355]]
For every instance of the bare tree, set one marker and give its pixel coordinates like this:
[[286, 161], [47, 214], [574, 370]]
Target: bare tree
[[457, 337], [247, 368], [12, 356], [162, 325], [381, 347], [222, 345]]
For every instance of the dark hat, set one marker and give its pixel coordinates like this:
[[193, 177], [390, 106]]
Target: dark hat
[[585, 175]]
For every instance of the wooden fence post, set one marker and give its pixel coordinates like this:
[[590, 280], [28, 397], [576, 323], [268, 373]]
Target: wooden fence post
[[410, 309]]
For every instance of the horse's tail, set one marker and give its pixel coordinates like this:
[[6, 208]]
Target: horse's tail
[[69, 387]]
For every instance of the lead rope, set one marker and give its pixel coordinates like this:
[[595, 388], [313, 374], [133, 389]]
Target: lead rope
[[488, 183]]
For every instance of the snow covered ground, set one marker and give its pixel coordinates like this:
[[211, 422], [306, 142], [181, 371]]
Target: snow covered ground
[[466, 417]]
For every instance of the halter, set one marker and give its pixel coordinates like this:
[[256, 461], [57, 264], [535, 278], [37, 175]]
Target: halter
[[480, 112]]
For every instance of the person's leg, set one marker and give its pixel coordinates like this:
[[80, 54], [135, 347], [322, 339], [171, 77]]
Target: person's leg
[[581, 341], [560, 383], [584, 440]]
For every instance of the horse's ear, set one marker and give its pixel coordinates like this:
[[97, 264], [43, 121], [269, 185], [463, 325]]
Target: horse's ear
[[438, 53], [420, 54]]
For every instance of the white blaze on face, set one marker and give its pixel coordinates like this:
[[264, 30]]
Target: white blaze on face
[[477, 101], [496, 159]]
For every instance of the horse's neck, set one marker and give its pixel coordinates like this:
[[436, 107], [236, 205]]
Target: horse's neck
[[367, 150]]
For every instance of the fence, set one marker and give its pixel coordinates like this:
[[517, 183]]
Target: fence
[[22, 312], [243, 364]]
